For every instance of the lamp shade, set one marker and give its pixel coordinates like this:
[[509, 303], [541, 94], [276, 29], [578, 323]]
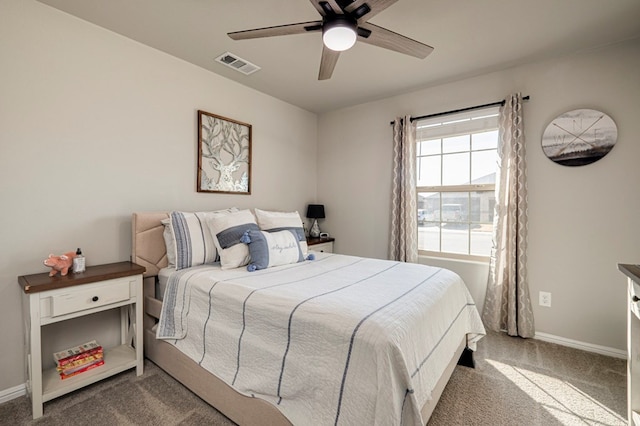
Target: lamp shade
[[339, 33], [315, 211]]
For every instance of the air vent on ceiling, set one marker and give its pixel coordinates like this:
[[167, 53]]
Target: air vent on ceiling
[[238, 64]]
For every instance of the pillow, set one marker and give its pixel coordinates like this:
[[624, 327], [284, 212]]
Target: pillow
[[226, 230], [169, 242], [269, 249], [193, 244], [278, 221]]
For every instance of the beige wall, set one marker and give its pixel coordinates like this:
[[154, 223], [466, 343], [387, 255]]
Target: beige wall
[[94, 126], [583, 220]]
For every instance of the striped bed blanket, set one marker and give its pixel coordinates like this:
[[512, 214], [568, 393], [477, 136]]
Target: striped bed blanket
[[337, 340]]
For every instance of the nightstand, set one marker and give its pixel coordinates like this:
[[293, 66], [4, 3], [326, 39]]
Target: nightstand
[[323, 245], [49, 300], [633, 342]]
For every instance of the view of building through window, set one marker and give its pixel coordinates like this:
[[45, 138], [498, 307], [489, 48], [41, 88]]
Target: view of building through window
[[456, 172]]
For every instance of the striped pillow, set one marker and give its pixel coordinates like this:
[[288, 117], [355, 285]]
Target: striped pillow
[[192, 240]]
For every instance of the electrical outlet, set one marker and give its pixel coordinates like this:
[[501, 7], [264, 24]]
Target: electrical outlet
[[545, 299]]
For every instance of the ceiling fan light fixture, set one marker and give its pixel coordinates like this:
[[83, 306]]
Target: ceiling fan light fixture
[[339, 33]]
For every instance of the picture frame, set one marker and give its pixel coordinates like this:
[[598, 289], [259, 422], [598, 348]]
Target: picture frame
[[224, 155], [579, 137]]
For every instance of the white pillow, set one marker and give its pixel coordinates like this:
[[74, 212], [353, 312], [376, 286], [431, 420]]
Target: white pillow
[[268, 249], [193, 244], [271, 221], [169, 242], [226, 230]]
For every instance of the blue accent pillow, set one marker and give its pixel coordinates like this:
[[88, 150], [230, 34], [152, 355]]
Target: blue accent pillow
[[278, 221], [269, 249]]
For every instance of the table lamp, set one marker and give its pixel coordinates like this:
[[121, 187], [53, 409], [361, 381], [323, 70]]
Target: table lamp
[[315, 212]]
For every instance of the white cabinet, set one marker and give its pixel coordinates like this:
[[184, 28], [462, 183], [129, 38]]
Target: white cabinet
[[633, 342], [49, 300]]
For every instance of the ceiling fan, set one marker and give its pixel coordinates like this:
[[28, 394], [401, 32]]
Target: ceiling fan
[[344, 21]]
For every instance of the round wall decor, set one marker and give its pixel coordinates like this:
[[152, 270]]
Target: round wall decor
[[579, 137]]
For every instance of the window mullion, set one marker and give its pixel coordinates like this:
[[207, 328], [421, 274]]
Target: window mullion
[[458, 188], [469, 220]]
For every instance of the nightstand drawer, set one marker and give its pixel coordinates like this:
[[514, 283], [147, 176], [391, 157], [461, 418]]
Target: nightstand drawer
[[634, 298], [94, 295], [322, 247]]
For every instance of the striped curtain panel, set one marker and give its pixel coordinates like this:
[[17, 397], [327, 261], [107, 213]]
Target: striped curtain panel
[[403, 243], [507, 304]]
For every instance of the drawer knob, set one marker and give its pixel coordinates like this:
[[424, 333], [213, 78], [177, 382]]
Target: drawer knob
[[94, 298], [635, 298]]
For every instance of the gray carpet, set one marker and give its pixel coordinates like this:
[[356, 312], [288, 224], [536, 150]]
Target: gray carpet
[[530, 382], [515, 382]]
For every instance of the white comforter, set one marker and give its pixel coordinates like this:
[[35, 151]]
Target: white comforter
[[338, 340]]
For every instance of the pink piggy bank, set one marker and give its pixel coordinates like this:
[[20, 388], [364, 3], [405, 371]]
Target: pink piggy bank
[[60, 263]]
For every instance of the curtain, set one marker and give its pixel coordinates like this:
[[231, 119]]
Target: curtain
[[508, 304], [403, 243]]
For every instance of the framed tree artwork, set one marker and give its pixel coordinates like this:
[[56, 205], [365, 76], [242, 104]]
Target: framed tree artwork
[[224, 155]]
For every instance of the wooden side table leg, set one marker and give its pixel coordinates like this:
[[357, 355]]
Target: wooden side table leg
[[34, 359], [137, 327]]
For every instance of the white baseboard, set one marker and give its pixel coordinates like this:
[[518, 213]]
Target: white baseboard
[[13, 393], [589, 347]]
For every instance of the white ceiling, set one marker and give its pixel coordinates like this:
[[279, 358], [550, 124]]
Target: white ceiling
[[470, 37]]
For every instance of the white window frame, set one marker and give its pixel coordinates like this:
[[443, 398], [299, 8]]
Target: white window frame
[[449, 125]]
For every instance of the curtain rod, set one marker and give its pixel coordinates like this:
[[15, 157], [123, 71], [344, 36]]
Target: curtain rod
[[501, 103]]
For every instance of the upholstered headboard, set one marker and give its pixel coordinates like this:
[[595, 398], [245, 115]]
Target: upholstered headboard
[[147, 246]]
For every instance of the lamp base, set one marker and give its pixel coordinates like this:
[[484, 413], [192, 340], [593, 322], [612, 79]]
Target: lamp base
[[315, 229]]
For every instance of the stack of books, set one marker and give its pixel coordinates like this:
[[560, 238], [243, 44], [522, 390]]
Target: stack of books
[[74, 361]]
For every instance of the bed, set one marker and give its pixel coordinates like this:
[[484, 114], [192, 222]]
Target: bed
[[372, 378]]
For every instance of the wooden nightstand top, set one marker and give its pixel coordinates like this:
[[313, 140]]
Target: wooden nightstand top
[[312, 241], [631, 271], [42, 282]]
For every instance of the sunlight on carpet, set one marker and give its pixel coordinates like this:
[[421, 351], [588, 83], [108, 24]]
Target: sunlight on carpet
[[563, 400]]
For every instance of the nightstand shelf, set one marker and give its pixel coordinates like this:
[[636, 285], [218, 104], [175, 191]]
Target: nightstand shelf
[[116, 360], [49, 300]]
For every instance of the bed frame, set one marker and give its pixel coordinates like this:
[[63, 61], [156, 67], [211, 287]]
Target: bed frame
[[148, 250]]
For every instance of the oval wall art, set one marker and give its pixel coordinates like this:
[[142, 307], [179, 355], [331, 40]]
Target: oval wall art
[[579, 137]]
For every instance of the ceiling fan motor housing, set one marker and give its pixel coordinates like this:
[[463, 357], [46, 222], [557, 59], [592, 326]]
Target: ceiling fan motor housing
[[339, 32]]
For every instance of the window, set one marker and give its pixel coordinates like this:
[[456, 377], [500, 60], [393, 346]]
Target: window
[[456, 173]]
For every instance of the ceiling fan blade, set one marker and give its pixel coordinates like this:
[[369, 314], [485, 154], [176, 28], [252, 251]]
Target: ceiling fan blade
[[363, 10], [327, 63], [326, 7], [387, 39], [300, 28]]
